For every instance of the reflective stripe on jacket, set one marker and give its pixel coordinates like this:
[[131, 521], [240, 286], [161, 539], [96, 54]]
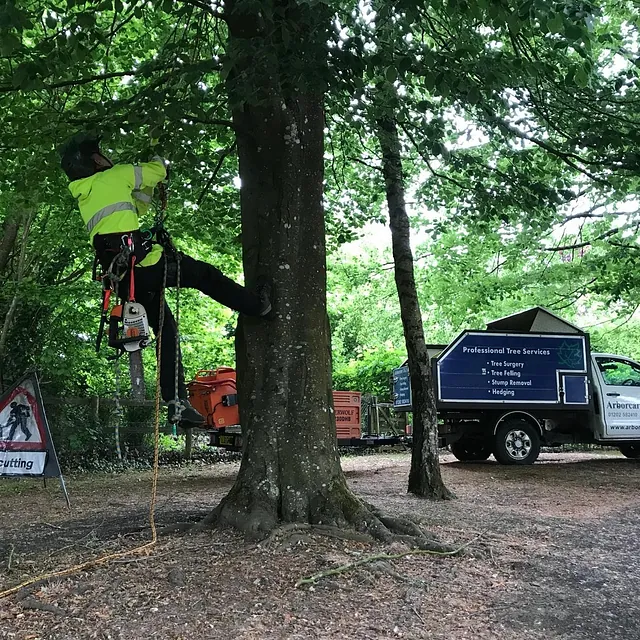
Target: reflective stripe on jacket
[[111, 200]]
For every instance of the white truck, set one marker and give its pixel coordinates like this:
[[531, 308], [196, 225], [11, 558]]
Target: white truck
[[529, 380]]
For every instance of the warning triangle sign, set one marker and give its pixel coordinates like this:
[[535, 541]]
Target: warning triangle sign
[[26, 447]]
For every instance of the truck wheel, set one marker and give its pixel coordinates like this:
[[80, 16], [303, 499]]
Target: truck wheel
[[466, 451], [630, 450], [516, 442]]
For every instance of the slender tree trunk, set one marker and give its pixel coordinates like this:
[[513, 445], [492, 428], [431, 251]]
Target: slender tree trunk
[[13, 305], [188, 444], [133, 439], [10, 230], [425, 479]]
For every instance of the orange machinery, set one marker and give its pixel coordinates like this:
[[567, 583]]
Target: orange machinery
[[213, 393]]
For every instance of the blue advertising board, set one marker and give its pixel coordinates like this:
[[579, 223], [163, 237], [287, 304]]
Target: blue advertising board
[[401, 388], [512, 368]]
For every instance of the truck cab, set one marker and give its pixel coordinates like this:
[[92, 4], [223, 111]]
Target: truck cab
[[617, 401]]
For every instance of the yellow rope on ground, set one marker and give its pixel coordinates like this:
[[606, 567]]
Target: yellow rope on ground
[[152, 504]]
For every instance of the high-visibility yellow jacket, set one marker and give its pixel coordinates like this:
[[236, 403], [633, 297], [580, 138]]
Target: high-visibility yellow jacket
[[110, 201]]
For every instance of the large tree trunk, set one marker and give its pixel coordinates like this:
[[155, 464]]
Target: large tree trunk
[[424, 478], [290, 468]]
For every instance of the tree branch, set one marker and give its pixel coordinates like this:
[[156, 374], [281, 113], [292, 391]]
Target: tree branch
[[624, 246], [497, 267], [366, 164], [213, 121], [579, 245], [566, 156], [428, 163], [206, 8], [72, 277], [589, 213], [81, 81], [580, 289], [216, 169]]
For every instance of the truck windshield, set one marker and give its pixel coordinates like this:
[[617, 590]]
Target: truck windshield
[[619, 372]]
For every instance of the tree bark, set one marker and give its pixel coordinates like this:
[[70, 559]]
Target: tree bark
[[10, 230], [134, 440], [290, 469], [188, 444], [425, 479], [13, 305]]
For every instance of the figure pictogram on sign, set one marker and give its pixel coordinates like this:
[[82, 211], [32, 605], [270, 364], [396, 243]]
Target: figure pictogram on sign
[[18, 417], [26, 446]]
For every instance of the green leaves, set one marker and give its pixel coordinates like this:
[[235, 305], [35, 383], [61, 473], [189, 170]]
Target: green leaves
[[26, 76], [555, 24], [86, 20], [473, 95], [391, 74], [580, 77], [515, 23], [9, 44]]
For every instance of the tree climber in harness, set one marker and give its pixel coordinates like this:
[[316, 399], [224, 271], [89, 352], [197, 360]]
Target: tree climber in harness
[[110, 198]]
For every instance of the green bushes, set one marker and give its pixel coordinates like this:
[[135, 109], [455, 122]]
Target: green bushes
[[370, 373]]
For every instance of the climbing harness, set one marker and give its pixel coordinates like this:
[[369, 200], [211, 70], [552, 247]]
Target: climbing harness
[[128, 322]]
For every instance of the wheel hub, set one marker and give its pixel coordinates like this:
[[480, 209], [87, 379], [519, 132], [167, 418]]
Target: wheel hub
[[518, 444]]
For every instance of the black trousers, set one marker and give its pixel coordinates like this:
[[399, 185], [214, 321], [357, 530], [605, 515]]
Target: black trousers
[[194, 274]]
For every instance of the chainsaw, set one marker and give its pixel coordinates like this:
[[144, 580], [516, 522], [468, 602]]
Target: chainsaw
[[129, 327]]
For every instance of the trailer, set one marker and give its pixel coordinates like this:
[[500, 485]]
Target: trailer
[[526, 381]]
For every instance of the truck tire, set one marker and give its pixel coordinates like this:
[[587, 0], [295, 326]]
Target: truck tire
[[630, 450], [516, 442], [470, 451]]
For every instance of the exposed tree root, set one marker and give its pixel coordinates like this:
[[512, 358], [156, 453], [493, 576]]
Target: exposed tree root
[[312, 579], [387, 529], [387, 568], [32, 603]]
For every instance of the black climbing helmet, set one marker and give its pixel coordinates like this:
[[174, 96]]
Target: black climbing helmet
[[77, 156]]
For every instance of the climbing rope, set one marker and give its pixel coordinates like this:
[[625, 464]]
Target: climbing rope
[[170, 250], [176, 372]]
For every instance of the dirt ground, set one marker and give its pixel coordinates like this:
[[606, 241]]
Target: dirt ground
[[555, 555]]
